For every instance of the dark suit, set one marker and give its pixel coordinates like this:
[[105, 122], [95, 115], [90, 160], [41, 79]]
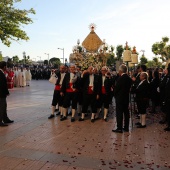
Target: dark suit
[[105, 97], [3, 94], [142, 96], [70, 96], [57, 98], [90, 99], [121, 93]]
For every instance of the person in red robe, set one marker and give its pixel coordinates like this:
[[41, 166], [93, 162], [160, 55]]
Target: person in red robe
[[10, 78]]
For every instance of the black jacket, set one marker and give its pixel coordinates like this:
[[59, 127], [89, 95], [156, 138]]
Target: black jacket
[[66, 81], [107, 84], [85, 84], [122, 89], [3, 86], [143, 91]]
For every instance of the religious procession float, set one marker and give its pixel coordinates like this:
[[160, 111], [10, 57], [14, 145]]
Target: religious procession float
[[95, 52]]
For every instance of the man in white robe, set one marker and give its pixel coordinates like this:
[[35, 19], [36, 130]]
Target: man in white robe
[[16, 77], [21, 78], [28, 76]]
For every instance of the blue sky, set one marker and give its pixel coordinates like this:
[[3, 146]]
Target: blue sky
[[59, 23]]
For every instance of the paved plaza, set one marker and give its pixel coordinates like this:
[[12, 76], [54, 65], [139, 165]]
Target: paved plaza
[[34, 142]]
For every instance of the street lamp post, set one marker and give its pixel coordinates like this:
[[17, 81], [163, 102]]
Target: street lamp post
[[24, 56], [63, 53], [48, 57], [143, 51]]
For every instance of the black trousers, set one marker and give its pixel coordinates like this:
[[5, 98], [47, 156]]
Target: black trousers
[[3, 109], [142, 106], [70, 98], [122, 110], [89, 99], [57, 98], [104, 99]]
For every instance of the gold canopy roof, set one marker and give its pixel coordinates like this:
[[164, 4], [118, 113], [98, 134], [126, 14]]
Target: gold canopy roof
[[92, 42]]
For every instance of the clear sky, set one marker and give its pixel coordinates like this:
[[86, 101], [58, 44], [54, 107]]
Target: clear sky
[[59, 23]]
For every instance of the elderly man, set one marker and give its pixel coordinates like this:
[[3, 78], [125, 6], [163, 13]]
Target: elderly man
[[57, 99], [142, 98], [105, 83], [90, 82], [69, 90], [121, 93]]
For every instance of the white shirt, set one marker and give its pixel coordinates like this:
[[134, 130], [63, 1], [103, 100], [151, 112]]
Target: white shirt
[[103, 79], [62, 77], [91, 77]]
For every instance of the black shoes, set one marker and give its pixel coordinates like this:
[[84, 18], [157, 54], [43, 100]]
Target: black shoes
[[51, 116], [117, 131], [3, 124], [81, 119], [141, 126], [8, 121], [167, 129], [106, 120], [63, 118], [72, 119], [92, 120]]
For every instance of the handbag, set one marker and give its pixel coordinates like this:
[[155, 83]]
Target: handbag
[[53, 79]]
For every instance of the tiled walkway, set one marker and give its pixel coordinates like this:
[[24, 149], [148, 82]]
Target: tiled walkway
[[33, 142]]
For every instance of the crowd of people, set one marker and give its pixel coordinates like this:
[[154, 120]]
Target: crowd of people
[[81, 90], [94, 88], [18, 77]]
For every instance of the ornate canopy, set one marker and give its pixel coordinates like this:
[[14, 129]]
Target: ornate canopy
[[92, 42]]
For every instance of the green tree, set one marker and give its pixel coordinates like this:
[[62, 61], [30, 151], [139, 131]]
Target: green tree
[[1, 58], [162, 48], [119, 52], [46, 62], [9, 62], [111, 60], [55, 61], [15, 59], [11, 21], [143, 60]]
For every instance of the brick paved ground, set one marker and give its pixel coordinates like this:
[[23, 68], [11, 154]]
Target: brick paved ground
[[34, 142]]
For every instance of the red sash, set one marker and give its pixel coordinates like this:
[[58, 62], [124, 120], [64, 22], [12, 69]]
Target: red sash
[[103, 90], [70, 89], [90, 91], [58, 87]]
